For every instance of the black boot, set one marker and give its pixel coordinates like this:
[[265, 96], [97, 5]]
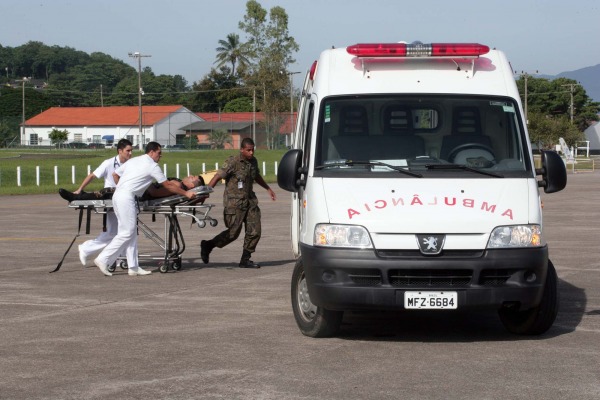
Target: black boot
[[65, 194], [246, 262], [206, 247], [70, 196]]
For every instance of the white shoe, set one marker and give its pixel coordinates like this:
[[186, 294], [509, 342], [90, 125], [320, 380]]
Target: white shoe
[[103, 267], [138, 271], [82, 256]]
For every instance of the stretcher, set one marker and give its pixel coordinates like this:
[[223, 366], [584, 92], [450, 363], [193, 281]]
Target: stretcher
[[172, 242]]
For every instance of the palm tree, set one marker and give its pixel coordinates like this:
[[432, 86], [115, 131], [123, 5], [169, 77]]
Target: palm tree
[[218, 138], [232, 51]]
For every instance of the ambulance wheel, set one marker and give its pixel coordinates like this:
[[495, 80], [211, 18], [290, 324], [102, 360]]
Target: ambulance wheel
[[214, 222], [177, 265], [163, 267], [536, 320], [111, 268], [313, 321]]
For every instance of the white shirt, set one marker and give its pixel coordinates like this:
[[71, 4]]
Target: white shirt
[[106, 169], [137, 174]]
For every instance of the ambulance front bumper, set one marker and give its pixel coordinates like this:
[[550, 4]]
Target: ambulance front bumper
[[347, 279]]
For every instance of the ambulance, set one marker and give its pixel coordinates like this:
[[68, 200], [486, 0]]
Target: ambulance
[[414, 188]]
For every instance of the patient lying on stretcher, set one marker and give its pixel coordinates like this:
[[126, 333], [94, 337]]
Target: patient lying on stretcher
[[154, 191]]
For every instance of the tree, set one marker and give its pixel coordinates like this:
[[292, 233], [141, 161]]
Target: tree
[[549, 107], [232, 51], [271, 48], [545, 130], [241, 104], [553, 98], [216, 89], [218, 138], [58, 136]]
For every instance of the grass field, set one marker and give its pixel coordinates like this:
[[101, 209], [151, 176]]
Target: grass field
[[29, 161]]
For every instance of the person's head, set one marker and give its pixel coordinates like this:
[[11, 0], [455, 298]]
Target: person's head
[[193, 181], [247, 148], [153, 149], [124, 150]]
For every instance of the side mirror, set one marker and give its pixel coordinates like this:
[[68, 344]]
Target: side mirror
[[553, 171], [290, 171]]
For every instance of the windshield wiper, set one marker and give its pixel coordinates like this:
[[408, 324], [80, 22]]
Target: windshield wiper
[[341, 163], [462, 167]]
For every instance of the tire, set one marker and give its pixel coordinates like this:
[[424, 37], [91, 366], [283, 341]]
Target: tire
[[177, 264], [313, 321], [537, 320], [163, 267]]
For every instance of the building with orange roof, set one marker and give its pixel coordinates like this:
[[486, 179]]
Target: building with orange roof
[[241, 125], [106, 125]]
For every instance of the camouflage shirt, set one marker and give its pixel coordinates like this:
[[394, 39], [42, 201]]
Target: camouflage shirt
[[239, 175]]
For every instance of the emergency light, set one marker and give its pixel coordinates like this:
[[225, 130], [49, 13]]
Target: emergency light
[[417, 49]]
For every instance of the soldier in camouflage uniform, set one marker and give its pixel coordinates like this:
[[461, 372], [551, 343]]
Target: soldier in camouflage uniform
[[240, 204]]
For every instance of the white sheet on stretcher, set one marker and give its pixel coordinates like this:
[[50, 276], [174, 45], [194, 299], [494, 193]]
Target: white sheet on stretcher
[[201, 192]]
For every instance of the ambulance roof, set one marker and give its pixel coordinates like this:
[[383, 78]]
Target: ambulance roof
[[340, 73]]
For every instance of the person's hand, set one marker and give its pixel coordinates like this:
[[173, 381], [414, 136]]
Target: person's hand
[[190, 194], [272, 194], [78, 191]]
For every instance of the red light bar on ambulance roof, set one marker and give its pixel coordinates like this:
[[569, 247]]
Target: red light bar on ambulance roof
[[417, 49]]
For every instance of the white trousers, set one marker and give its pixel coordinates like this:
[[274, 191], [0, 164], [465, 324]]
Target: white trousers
[[93, 246], [125, 241]]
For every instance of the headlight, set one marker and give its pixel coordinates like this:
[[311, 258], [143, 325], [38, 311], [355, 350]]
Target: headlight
[[342, 236], [515, 236]]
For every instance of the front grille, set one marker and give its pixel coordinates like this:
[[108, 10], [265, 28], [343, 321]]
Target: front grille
[[366, 278], [495, 277], [430, 278], [418, 254]]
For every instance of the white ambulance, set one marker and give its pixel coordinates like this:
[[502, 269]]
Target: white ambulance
[[414, 188]]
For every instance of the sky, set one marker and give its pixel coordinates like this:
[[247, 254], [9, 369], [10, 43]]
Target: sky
[[544, 36]]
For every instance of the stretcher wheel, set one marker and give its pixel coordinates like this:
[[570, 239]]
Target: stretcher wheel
[[177, 265], [111, 268], [163, 267], [123, 264], [201, 224], [214, 222]]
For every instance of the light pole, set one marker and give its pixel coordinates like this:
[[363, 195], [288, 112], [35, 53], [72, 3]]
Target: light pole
[[139, 56], [23, 139]]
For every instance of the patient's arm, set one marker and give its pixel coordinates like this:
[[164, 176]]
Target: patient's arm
[[174, 187], [157, 192]]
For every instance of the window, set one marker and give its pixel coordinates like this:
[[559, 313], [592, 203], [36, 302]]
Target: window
[[415, 132]]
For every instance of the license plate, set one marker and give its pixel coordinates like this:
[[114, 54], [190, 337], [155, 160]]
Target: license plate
[[430, 300]]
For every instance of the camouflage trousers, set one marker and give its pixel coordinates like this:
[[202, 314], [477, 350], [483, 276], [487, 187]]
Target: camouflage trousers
[[234, 219]]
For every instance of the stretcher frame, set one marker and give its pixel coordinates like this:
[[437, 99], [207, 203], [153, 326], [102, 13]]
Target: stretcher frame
[[172, 243]]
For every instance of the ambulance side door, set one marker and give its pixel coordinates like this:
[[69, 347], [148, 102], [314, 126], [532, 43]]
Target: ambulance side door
[[301, 141]]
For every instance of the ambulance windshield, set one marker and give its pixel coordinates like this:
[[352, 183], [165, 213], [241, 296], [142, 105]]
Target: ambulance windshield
[[372, 133]]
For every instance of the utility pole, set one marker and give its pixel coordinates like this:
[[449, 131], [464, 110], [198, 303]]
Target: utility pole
[[525, 76], [138, 55], [24, 140], [571, 107]]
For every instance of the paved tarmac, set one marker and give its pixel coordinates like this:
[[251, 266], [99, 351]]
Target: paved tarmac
[[218, 332]]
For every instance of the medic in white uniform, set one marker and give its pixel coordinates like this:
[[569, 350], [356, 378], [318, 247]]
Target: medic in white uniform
[[105, 170], [132, 179]]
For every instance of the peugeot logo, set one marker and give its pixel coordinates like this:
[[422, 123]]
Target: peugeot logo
[[430, 244]]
